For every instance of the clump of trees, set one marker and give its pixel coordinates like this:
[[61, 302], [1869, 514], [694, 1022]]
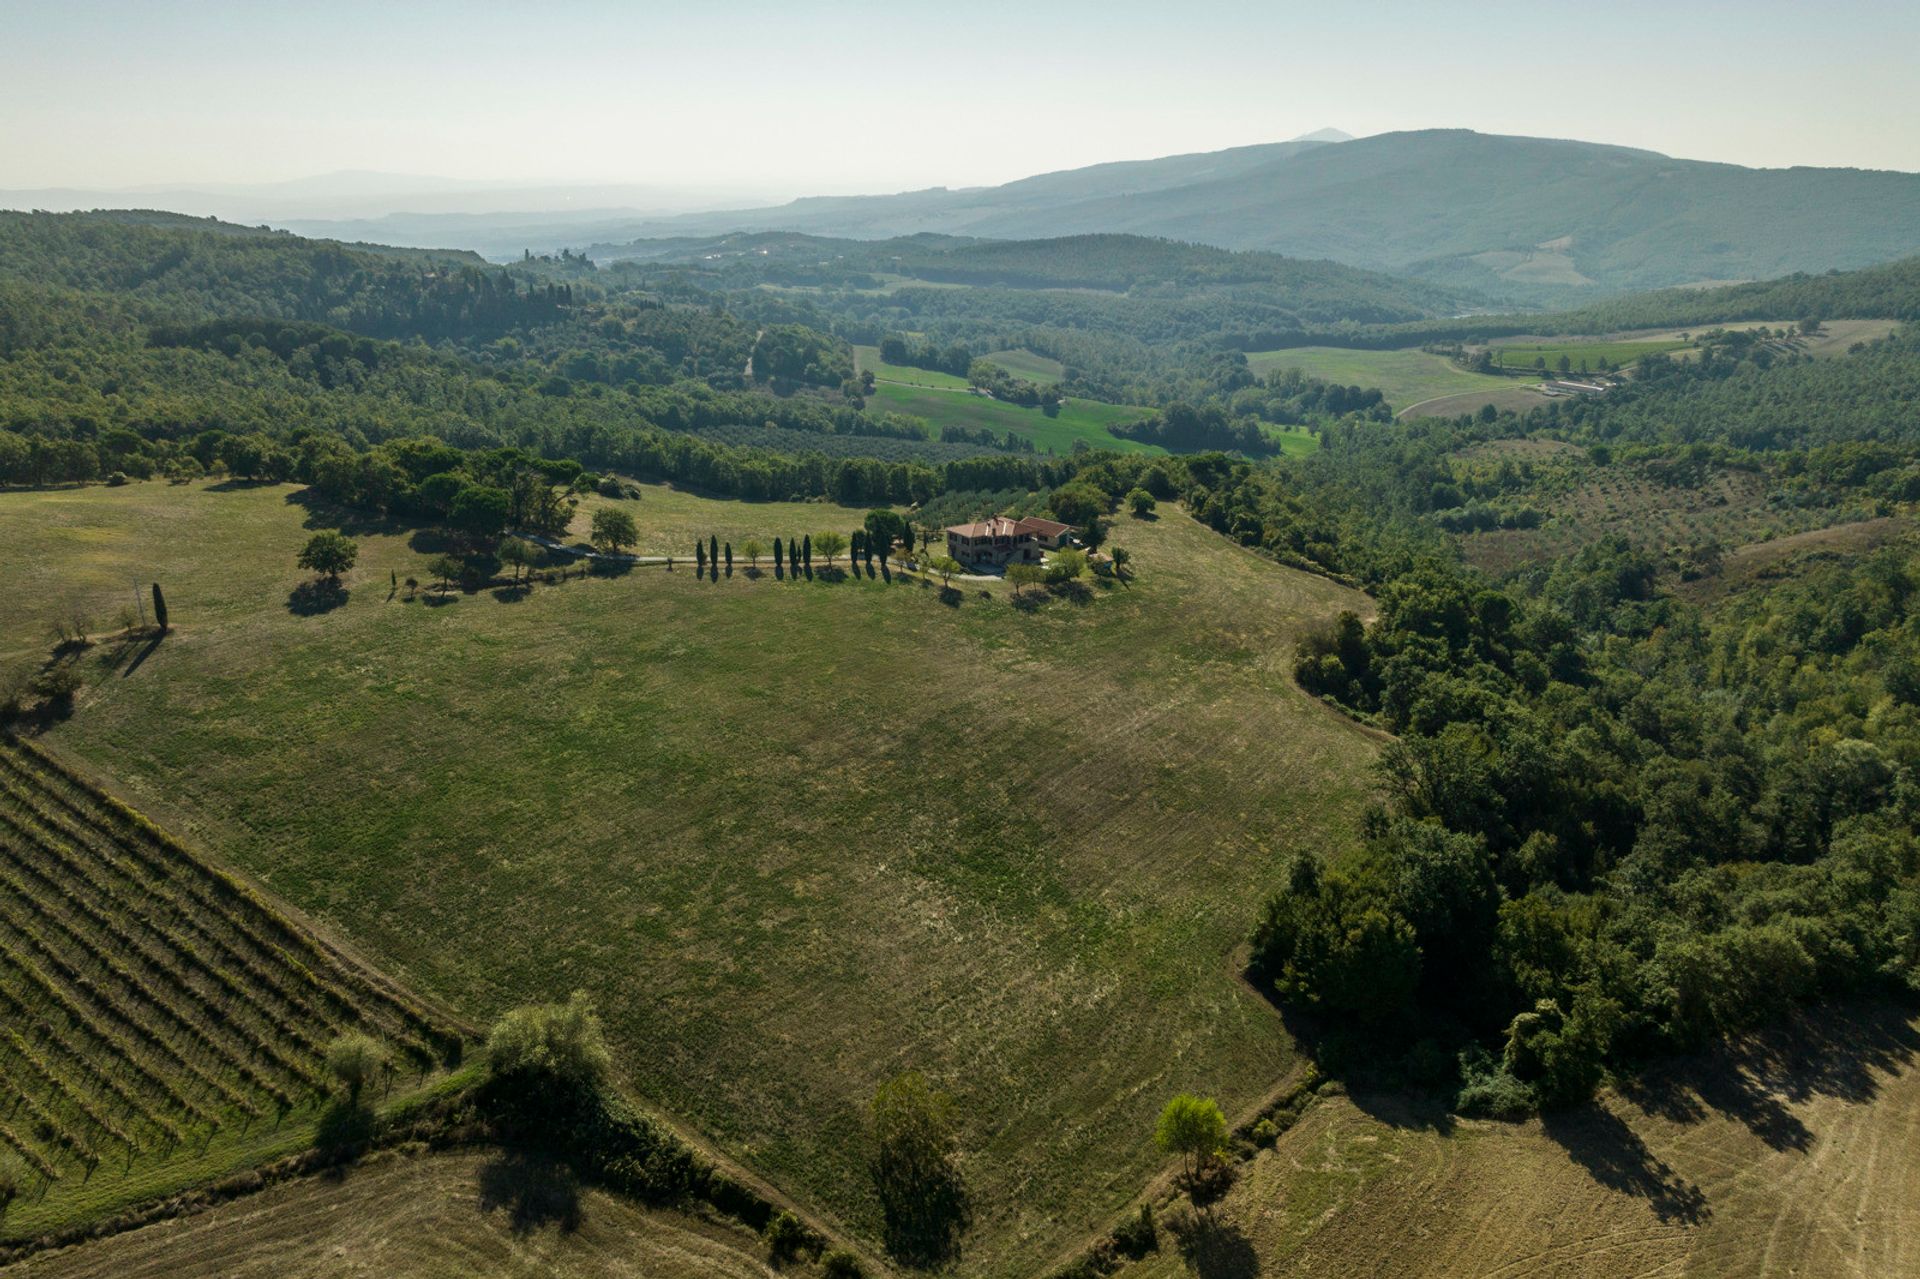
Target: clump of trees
[[557, 1045]]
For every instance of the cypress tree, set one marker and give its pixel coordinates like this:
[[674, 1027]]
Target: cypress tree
[[779, 567], [729, 550], [806, 556], [699, 558], [713, 558], [159, 609]]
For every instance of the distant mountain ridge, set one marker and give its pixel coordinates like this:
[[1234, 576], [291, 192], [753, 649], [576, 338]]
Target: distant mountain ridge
[[1527, 218]]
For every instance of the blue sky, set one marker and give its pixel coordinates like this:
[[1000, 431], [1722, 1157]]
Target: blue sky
[[801, 97]]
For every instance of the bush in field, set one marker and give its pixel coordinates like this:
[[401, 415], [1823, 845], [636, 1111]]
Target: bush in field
[[946, 566], [516, 554], [356, 1060], [784, 1236], [841, 1264], [922, 1200], [561, 1043], [329, 554], [1066, 565], [1141, 503], [829, 544]]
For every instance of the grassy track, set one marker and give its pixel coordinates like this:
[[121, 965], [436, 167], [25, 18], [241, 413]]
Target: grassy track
[[795, 838], [454, 1216], [1404, 377], [158, 1024]]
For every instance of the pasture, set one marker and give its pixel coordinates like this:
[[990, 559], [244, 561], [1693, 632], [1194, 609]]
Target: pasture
[[1027, 364], [159, 1022], [1405, 377], [1077, 420], [794, 837], [1582, 355]]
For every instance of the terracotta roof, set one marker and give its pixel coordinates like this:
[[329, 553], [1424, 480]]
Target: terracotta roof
[[1001, 526]]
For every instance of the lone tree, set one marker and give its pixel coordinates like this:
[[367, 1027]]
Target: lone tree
[[1121, 558], [829, 544], [1193, 1128], [444, 569], [753, 550], [356, 1060], [329, 554], [612, 531], [946, 566], [1141, 503], [159, 609], [516, 553]]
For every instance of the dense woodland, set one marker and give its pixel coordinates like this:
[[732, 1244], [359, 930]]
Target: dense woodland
[[1613, 824]]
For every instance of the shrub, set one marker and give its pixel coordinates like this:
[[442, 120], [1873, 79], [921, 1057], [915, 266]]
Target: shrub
[[355, 1060], [785, 1237], [562, 1043], [1489, 1090], [1136, 1236], [841, 1264], [116, 479]]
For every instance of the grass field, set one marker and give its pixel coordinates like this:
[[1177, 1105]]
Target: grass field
[[1026, 364], [1077, 420], [1405, 377], [1577, 351], [159, 1024], [794, 837], [470, 1215], [1789, 1156]]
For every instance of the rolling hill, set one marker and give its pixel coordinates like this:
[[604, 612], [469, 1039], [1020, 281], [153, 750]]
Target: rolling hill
[[1527, 217]]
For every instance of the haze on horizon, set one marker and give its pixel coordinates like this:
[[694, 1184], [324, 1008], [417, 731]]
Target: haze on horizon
[[769, 101]]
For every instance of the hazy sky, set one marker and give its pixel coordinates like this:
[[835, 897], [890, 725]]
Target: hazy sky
[[783, 98]]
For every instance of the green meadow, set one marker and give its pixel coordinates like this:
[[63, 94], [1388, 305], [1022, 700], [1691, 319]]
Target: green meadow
[[794, 837], [1405, 377]]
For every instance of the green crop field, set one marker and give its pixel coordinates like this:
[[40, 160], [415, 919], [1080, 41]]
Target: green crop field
[[866, 359], [1077, 420], [159, 1023], [1026, 364], [794, 837], [1618, 354], [1405, 377]]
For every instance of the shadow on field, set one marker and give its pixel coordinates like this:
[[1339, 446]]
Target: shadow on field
[[319, 595], [1613, 1155], [1215, 1249], [322, 514], [534, 1192], [1842, 1052]]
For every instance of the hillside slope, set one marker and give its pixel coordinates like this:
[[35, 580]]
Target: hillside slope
[[1529, 215]]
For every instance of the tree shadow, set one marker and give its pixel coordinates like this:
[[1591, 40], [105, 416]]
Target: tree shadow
[[950, 596], [609, 568], [534, 1191], [432, 541], [316, 595], [344, 1125], [352, 521], [438, 598], [1074, 591], [832, 573], [1613, 1155], [512, 592], [1214, 1249]]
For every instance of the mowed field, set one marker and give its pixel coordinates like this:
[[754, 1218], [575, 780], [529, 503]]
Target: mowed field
[[795, 838], [1405, 377], [159, 1023], [945, 400], [470, 1215], [1796, 1155]]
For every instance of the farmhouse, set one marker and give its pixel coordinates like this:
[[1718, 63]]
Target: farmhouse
[[1005, 541]]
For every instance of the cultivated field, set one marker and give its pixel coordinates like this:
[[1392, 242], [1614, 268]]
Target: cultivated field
[[159, 1022], [1585, 501], [1516, 398], [1405, 377], [455, 1216], [1793, 1155], [794, 837], [1076, 421], [1581, 354], [1026, 364]]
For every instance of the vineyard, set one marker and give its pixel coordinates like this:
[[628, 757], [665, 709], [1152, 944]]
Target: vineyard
[[149, 1003]]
